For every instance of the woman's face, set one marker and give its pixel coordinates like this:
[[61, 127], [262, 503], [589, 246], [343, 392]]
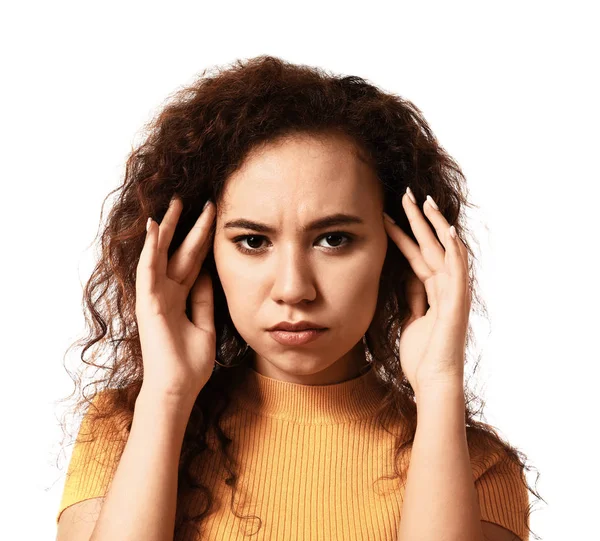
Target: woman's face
[[328, 275]]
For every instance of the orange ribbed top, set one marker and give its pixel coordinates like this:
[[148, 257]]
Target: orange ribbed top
[[308, 458]]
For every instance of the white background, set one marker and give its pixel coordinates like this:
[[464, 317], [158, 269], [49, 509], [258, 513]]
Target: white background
[[509, 89]]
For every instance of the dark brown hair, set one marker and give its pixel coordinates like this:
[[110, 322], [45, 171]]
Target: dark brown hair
[[192, 146]]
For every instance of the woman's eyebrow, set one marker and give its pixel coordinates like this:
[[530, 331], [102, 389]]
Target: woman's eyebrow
[[320, 223]]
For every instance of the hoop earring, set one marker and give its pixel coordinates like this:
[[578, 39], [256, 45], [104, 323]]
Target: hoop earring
[[226, 365]]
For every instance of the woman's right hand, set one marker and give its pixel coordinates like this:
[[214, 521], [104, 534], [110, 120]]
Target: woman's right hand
[[178, 354]]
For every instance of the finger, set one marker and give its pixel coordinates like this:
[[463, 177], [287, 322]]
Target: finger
[[146, 269], [464, 254], [465, 258], [202, 302], [428, 243], [457, 261], [410, 249], [416, 297], [454, 262], [167, 230], [198, 261], [187, 259]]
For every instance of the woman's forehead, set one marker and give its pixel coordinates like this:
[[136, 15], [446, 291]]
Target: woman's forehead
[[301, 175]]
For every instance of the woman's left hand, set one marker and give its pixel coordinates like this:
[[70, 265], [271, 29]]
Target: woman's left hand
[[433, 340]]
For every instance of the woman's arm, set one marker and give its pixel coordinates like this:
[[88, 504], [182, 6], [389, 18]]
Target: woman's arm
[[141, 500], [440, 500]]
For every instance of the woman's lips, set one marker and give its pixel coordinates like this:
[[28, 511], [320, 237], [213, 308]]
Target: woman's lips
[[296, 338]]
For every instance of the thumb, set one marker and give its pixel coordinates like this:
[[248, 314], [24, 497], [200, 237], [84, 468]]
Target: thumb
[[202, 302]]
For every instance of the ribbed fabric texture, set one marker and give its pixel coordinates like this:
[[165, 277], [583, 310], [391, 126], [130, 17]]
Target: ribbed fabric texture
[[308, 459]]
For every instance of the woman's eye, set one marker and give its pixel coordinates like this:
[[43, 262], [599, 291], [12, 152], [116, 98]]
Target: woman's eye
[[255, 241]]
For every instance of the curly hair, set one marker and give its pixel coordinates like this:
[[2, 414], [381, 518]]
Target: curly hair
[[190, 148]]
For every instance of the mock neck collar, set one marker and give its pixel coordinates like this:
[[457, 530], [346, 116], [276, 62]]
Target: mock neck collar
[[311, 404]]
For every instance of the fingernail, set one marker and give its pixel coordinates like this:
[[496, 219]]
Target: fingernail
[[432, 202], [148, 222], [388, 218], [411, 195], [205, 205]]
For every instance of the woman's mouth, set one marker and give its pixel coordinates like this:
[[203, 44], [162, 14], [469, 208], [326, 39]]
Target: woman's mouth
[[296, 338]]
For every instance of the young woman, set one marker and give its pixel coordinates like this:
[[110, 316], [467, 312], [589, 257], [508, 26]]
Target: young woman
[[287, 360]]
